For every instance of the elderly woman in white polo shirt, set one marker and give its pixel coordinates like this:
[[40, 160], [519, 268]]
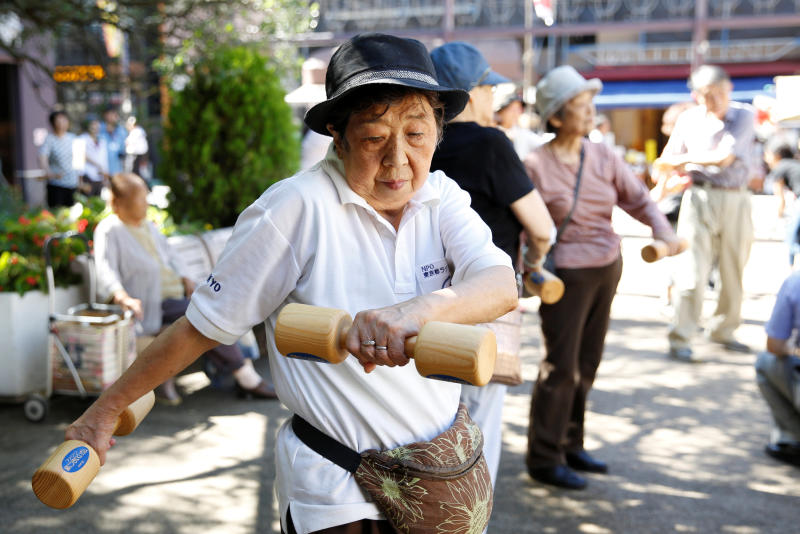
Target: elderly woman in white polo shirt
[[356, 231]]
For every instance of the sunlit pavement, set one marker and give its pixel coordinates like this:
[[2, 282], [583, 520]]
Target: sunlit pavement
[[684, 442]]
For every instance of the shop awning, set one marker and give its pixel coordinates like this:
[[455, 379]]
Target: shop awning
[[663, 93]]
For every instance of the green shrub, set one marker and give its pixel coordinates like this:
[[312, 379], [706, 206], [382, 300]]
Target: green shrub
[[229, 135]]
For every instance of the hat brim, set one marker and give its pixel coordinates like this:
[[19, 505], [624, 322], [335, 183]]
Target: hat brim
[[454, 101], [495, 79], [594, 85]]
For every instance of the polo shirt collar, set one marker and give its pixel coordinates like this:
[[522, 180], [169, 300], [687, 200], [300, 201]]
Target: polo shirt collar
[[427, 194]]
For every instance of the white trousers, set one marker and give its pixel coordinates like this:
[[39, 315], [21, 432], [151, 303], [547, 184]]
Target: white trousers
[[485, 405]]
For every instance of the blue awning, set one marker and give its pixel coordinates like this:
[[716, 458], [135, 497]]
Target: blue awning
[[663, 93]]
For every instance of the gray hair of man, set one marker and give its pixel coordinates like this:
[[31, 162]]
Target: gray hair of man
[[706, 75]]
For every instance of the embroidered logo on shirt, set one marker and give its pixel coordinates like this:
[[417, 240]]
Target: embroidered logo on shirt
[[437, 272], [213, 284]]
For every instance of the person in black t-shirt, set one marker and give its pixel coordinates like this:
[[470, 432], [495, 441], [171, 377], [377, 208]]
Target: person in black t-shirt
[[784, 173], [482, 160]]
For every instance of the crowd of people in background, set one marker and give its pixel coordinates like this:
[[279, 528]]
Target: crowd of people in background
[[85, 163]]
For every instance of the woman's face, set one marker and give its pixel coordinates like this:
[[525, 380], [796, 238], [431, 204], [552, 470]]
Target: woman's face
[[577, 115], [387, 153]]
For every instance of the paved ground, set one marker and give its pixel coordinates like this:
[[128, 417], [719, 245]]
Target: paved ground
[[684, 442]]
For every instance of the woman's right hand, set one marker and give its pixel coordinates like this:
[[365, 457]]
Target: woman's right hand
[[95, 428], [377, 337]]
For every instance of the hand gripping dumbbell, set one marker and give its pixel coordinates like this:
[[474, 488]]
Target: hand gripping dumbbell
[[545, 285], [659, 249], [444, 351], [64, 476]]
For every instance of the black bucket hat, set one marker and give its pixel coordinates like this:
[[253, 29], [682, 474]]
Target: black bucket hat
[[376, 58]]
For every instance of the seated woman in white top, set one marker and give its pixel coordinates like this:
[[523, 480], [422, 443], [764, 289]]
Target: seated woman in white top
[[137, 269], [357, 232]]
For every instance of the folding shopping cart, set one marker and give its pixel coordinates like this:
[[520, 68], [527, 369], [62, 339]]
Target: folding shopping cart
[[89, 346]]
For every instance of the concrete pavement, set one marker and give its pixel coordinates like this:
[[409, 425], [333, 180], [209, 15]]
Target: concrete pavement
[[684, 442]]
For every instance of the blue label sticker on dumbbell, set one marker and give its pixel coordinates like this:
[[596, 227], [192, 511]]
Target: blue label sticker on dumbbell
[[448, 378], [306, 356], [75, 459], [536, 277]]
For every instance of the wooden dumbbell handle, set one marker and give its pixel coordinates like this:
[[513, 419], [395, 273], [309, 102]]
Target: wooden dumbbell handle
[[545, 285], [445, 351], [66, 474], [659, 249]]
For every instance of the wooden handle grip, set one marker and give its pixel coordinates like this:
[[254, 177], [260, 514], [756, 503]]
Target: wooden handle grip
[[659, 249], [445, 351], [130, 418], [544, 285], [66, 474]]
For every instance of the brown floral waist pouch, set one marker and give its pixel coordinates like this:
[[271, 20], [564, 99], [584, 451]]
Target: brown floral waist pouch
[[437, 486]]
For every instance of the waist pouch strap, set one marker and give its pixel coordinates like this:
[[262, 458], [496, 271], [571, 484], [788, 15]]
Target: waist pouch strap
[[421, 487], [325, 446]]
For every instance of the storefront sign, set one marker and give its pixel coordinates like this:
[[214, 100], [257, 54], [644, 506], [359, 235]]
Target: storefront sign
[[78, 73]]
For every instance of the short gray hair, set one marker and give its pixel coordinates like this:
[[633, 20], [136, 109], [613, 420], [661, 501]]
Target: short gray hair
[[706, 75]]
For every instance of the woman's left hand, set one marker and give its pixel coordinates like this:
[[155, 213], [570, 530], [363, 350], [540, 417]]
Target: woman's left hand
[[378, 336]]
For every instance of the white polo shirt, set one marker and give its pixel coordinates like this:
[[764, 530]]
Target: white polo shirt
[[311, 239]]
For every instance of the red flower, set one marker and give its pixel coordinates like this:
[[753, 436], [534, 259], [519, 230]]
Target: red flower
[[9, 236], [14, 260], [46, 213], [82, 224], [31, 280], [23, 220]]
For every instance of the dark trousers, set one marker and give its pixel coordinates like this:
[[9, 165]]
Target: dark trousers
[[574, 331], [365, 526], [60, 196], [226, 358]]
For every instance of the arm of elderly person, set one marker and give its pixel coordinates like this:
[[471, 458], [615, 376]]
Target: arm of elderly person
[[482, 297], [781, 324], [736, 143], [634, 198], [489, 293], [537, 224], [172, 351], [107, 257]]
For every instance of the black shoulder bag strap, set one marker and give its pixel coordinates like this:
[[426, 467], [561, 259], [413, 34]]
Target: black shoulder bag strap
[[574, 199]]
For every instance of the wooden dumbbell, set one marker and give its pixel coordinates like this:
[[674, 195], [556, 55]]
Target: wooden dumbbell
[[64, 476], [659, 249], [545, 285], [444, 351]]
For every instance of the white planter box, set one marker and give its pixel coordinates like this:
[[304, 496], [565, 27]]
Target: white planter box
[[24, 336]]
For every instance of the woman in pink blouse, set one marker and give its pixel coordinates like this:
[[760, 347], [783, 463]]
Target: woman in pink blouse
[[587, 258]]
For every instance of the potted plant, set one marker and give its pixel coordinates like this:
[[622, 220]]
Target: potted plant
[[24, 305]]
